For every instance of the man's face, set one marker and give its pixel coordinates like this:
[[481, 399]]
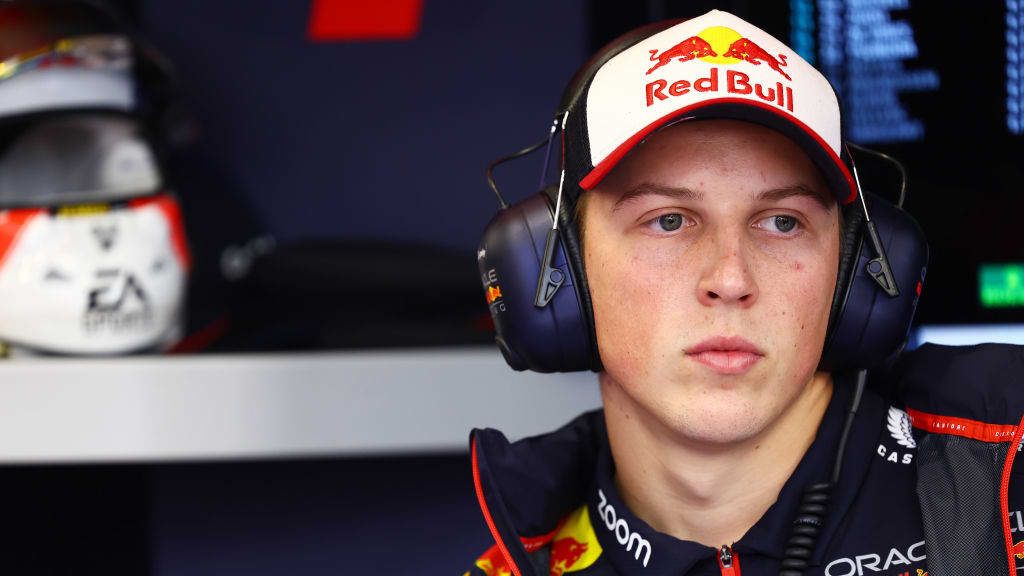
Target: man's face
[[711, 253]]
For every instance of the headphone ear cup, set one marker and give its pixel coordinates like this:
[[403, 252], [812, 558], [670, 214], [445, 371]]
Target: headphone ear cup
[[570, 240], [553, 338], [866, 326]]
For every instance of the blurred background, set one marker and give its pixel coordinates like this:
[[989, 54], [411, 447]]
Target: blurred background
[[243, 328]]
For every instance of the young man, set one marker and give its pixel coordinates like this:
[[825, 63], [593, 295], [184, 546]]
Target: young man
[[718, 265]]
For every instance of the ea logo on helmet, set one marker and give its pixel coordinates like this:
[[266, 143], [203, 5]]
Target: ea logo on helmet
[[118, 303]]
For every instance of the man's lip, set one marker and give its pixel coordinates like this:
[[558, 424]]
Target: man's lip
[[726, 355], [725, 344]]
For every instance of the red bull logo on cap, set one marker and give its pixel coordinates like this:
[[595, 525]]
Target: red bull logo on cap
[[692, 47], [719, 45], [747, 51], [724, 46]]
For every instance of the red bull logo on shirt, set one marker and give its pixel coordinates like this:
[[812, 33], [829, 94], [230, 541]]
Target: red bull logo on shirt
[[720, 46], [575, 546], [565, 553]]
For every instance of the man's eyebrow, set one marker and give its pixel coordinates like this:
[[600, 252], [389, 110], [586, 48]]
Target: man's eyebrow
[[777, 194], [648, 189]]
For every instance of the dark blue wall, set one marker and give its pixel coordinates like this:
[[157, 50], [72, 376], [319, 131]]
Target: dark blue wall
[[395, 516], [383, 140]]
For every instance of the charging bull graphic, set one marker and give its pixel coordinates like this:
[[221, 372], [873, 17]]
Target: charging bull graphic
[[719, 45], [493, 564], [746, 50], [692, 47], [564, 554]]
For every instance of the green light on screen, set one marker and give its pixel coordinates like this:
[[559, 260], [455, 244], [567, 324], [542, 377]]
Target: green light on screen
[[1001, 285]]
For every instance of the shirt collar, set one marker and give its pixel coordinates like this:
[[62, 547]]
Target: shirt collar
[[629, 541]]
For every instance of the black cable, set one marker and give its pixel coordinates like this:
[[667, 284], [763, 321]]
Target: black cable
[[810, 514], [810, 517], [899, 166], [851, 412], [503, 159]]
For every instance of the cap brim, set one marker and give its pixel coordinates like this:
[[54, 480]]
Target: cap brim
[[835, 172]]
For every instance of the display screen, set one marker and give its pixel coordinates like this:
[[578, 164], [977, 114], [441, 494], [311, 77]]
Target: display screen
[[1001, 285], [1015, 66], [868, 52], [943, 91]]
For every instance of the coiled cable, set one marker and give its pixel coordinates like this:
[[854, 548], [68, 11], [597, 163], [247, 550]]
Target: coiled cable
[[814, 503]]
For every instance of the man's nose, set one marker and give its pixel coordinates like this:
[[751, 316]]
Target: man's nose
[[726, 275]]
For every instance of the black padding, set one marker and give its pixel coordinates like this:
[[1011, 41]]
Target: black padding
[[850, 244]]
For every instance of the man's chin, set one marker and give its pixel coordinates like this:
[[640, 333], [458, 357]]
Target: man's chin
[[719, 417], [716, 410]]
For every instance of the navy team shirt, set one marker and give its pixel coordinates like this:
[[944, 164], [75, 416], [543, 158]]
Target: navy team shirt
[[928, 483]]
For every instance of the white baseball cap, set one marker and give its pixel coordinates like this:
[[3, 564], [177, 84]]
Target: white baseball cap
[[713, 66]]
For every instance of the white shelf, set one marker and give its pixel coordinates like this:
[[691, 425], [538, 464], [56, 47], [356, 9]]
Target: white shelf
[[968, 334], [162, 409]]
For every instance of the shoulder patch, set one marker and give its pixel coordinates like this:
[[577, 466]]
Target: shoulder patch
[[575, 546], [899, 427]]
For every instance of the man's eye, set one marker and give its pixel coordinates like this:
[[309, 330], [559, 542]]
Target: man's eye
[[670, 222], [785, 223], [781, 223]]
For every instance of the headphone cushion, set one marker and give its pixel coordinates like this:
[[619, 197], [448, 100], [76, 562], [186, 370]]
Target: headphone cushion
[[850, 245], [553, 338], [570, 240]]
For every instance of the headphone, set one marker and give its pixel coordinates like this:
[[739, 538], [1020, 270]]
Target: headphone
[[535, 284]]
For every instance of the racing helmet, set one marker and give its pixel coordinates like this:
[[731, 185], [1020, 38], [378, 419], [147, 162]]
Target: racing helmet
[[93, 253]]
